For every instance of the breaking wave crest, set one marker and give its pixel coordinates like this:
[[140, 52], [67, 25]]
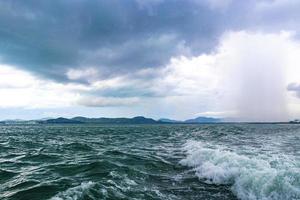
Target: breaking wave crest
[[75, 193], [251, 177]]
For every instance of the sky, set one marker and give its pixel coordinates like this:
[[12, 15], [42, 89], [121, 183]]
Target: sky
[[179, 59]]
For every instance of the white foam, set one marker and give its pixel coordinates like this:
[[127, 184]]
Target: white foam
[[263, 177], [74, 193]]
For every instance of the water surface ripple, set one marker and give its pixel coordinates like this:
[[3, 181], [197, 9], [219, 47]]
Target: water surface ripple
[[231, 161]]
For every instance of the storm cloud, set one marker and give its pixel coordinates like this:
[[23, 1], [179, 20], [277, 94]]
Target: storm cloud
[[116, 37], [114, 53]]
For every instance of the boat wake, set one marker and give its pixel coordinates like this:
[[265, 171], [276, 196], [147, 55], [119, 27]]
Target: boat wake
[[261, 177]]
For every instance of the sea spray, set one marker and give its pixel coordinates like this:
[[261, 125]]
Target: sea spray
[[250, 178], [75, 193]]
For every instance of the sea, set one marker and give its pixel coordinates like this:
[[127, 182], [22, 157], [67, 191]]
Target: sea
[[204, 161]]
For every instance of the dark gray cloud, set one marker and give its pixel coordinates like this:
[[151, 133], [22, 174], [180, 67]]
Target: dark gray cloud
[[120, 36]]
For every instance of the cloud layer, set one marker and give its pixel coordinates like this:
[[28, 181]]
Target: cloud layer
[[240, 79], [173, 58], [50, 37]]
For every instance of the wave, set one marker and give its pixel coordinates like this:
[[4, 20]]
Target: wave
[[5, 175], [75, 193], [263, 177]]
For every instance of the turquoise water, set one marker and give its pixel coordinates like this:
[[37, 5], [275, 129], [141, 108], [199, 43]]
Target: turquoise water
[[232, 161]]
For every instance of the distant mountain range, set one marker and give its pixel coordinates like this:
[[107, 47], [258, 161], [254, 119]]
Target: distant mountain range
[[103, 120], [204, 120], [134, 120], [194, 121]]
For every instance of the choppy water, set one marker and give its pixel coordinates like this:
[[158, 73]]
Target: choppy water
[[150, 162]]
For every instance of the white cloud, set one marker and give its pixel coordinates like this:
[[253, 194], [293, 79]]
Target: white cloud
[[107, 102], [87, 74], [190, 76], [245, 77], [217, 114], [21, 79], [21, 89]]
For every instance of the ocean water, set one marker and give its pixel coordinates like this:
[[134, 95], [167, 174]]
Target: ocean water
[[74, 162]]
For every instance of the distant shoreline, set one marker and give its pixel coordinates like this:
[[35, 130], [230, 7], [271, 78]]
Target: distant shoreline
[[134, 120]]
